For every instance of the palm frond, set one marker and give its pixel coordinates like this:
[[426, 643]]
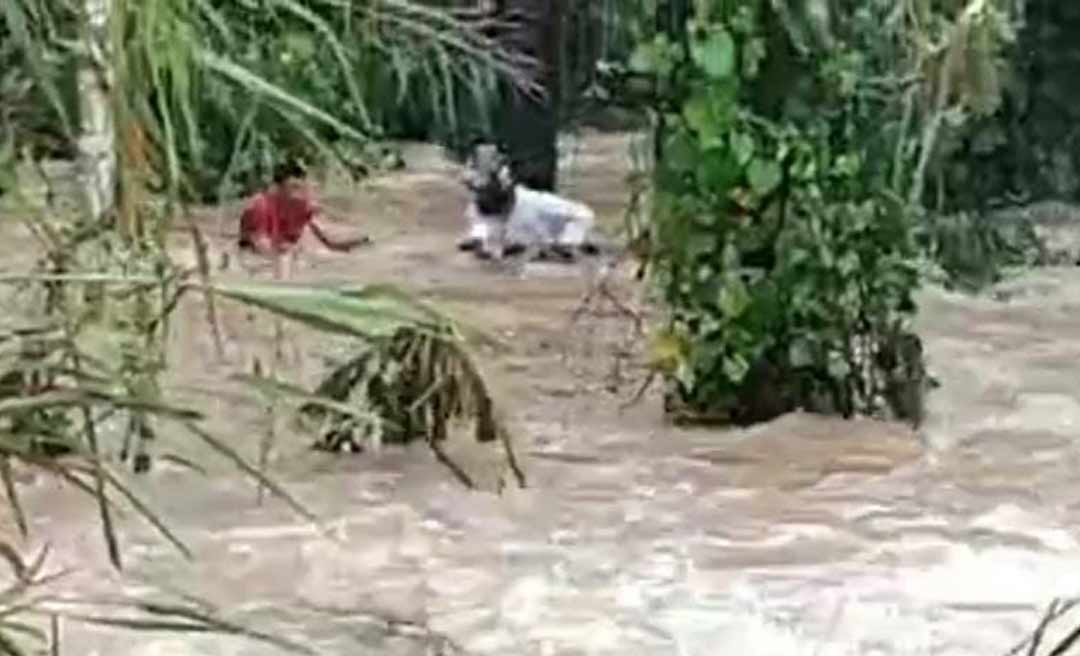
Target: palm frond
[[364, 312], [414, 370]]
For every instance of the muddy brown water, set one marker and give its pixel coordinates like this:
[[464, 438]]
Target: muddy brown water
[[806, 535]]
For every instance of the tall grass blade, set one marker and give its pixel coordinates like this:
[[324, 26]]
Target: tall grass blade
[[250, 470], [54, 635], [14, 561], [12, 626], [82, 396], [273, 389], [112, 542], [8, 647], [249, 80], [178, 619], [148, 514], [14, 503]]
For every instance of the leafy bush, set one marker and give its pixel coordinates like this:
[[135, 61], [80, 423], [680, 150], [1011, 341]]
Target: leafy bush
[[784, 257]]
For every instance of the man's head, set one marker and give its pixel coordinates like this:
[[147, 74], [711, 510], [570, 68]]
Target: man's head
[[486, 163], [291, 178], [488, 176]]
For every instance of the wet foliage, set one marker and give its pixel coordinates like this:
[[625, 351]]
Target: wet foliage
[[164, 103], [413, 376], [793, 149]]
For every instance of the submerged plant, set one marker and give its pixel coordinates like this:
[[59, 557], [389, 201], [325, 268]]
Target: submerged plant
[[414, 376]]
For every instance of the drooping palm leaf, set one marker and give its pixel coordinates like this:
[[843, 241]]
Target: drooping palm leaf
[[418, 382], [365, 312], [414, 369]]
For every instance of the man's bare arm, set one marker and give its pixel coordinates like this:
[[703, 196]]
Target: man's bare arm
[[335, 245]]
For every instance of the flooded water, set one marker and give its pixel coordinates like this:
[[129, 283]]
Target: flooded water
[[806, 535]]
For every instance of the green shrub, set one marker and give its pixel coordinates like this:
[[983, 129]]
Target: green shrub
[[786, 261]]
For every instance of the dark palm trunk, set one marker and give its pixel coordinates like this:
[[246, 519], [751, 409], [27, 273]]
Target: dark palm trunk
[[528, 124]]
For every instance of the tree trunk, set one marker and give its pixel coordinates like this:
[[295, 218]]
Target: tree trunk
[[96, 143], [528, 124]]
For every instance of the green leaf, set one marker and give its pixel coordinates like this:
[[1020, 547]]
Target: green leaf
[[764, 176], [716, 54], [734, 298], [753, 54], [742, 145], [702, 245], [724, 102], [730, 257], [300, 45], [847, 165], [800, 354], [698, 115], [643, 59], [849, 263], [736, 367], [681, 152], [797, 255], [838, 366], [717, 172], [654, 57]]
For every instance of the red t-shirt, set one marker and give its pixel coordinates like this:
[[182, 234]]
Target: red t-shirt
[[278, 217]]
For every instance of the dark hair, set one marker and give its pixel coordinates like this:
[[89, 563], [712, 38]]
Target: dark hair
[[290, 168]]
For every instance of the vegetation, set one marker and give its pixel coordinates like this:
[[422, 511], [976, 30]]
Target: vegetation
[[412, 378], [1021, 152], [810, 157], [793, 157], [237, 83], [181, 101]]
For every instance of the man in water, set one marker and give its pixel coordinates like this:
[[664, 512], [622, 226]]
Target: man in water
[[275, 219], [512, 218]]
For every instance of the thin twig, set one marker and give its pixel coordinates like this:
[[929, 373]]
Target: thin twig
[[598, 285], [1056, 609], [454, 468], [1036, 638], [203, 259], [1063, 647], [640, 394], [511, 459], [54, 634]]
